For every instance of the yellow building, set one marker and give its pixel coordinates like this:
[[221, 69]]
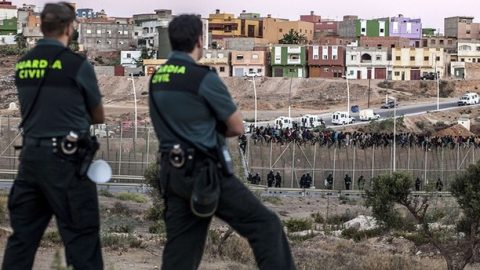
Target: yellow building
[[274, 29], [225, 25], [151, 65], [413, 63]]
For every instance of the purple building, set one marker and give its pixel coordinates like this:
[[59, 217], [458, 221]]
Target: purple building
[[407, 28]]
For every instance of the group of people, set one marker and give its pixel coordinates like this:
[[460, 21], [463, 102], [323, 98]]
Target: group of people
[[273, 180], [331, 138]]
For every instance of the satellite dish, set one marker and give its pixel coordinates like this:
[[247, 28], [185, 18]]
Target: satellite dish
[[99, 172]]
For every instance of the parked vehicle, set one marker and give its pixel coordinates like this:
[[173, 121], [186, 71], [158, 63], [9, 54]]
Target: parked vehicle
[[252, 74], [283, 122], [469, 99], [389, 104], [429, 76], [311, 121], [368, 115], [342, 118]]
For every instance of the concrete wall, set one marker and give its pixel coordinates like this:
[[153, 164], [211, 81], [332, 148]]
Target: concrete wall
[[104, 70]]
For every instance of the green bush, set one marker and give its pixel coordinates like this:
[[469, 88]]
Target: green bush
[[105, 193], [121, 241], [340, 219], [120, 209], [158, 227], [298, 225], [317, 218], [51, 238], [272, 200], [154, 213], [120, 224], [357, 235], [3, 208], [133, 197]]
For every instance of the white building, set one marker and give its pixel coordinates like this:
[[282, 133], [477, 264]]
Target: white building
[[129, 59], [7, 10], [469, 51], [367, 63]]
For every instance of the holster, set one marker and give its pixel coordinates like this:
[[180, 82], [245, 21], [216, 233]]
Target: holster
[[87, 148]]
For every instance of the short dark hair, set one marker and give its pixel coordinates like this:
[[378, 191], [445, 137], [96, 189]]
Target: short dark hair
[[56, 17], [184, 32]]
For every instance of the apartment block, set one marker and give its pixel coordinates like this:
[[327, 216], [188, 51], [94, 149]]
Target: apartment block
[[218, 59], [367, 63], [327, 61], [289, 61], [412, 63], [245, 62]]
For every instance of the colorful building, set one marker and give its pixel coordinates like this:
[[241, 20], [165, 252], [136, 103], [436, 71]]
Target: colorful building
[[223, 25], [406, 28], [321, 27], [373, 28], [367, 63], [327, 61], [289, 61], [248, 62], [462, 28], [413, 63], [384, 42], [218, 59], [274, 29]]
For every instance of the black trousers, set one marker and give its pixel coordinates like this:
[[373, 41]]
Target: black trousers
[[47, 186], [186, 233]]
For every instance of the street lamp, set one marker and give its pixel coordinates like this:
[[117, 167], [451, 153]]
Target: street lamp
[[135, 100], [437, 74], [255, 94], [394, 134]]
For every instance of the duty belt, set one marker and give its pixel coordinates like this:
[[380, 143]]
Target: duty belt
[[29, 141]]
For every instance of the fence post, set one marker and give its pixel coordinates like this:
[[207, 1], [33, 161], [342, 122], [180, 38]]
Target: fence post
[[314, 163], [334, 165], [354, 163], [443, 168], [426, 167], [293, 163], [271, 153], [148, 146], [120, 154], [373, 161]]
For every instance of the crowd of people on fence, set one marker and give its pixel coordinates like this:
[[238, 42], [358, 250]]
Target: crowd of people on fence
[[332, 138]]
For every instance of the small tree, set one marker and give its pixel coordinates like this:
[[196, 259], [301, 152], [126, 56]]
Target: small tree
[[293, 37], [21, 41], [459, 248]]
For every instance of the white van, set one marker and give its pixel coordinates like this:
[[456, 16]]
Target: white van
[[342, 118], [368, 115], [101, 131], [311, 121], [283, 122], [469, 99]]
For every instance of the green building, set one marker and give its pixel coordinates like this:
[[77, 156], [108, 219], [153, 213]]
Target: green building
[[8, 26], [289, 61], [373, 28], [428, 32]]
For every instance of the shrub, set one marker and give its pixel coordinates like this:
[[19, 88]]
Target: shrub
[[3, 208], [272, 200], [158, 227], [121, 241], [446, 89], [358, 235], [298, 225], [120, 224], [317, 218], [105, 193], [51, 238], [57, 263], [120, 209], [340, 219], [133, 197]]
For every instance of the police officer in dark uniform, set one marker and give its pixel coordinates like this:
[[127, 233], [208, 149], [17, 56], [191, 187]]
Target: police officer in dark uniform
[[189, 133], [58, 95], [278, 180], [270, 179]]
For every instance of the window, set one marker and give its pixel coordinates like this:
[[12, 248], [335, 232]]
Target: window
[[412, 58], [109, 42], [292, 70], [378, 58], [426, 58], [255, 56], [397, 73], [220, 56], [434, 42], [382, 30], [450, 42], [280, 30], [259, 70], [121, 42], [351, 72], [354, 58], [363, 30], [222, 69], [335, 57], [109, 32], [300, 30], [250, 70], [119, 32], [125, 32], [398, 58], [478, 49], [99, 32], [89, 31], [240, 57], [316, 57], [129, 55], [468, 32], [208, 55], [99, 41], [462, 60], [438, 58], [325, 57]]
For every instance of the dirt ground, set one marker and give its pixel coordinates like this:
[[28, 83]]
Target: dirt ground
[[315, 252]]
